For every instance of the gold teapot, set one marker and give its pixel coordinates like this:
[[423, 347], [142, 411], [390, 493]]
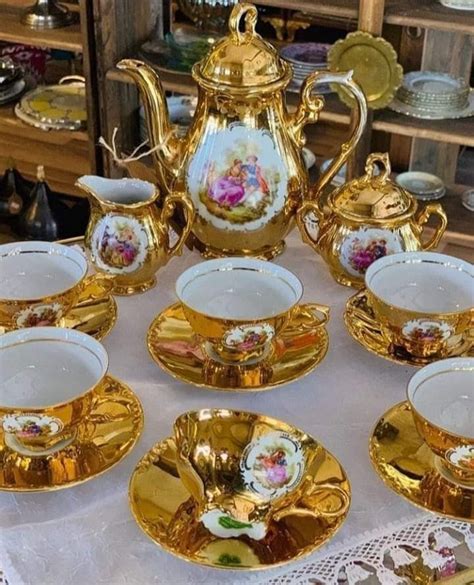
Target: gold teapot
[[366, 219], [127, 235], [241, 161]]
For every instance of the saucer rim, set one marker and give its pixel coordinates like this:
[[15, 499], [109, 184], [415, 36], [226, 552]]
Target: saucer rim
[[159, 361], [404, 404], [158, 448], [138, 430]]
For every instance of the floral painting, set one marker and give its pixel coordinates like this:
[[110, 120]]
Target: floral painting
[[39, 316], [119, 243], [241, 182], [426, 331], [272, 465], [248, 337], [31, 426], [366, 245]]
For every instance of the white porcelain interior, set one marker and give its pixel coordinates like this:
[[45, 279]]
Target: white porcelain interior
[[423, 281], [34, 270], [239, 288], [443, 393], [48, 366], [121, 191]]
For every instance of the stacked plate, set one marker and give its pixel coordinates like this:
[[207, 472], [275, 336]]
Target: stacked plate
[[434, 96], [55, 107], [423, 186], [11, 80], [305, 58]]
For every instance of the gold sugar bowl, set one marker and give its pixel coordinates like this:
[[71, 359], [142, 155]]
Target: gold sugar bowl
[[366, 219], [241, 161]]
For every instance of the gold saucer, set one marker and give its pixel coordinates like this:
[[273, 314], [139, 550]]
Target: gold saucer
[[103, 439], [94, 314], [361, 323], [166, 512], [175, 348], [407, 466]]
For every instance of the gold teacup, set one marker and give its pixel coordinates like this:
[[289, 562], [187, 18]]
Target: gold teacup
[[40, 282], [423, 301], [238, 306], [441, 396], [245, 470], [47, 379]]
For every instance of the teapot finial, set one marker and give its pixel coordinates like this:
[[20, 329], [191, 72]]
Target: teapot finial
[[251, 15]]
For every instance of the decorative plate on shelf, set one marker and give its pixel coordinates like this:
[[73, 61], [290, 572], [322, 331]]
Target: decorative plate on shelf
[[54, 107], [374, 62]]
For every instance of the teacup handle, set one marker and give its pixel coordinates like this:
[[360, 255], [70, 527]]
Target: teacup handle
[[168, 210], [428, 211], [321, 313], [105, 282], [305, 209], [294, 510]]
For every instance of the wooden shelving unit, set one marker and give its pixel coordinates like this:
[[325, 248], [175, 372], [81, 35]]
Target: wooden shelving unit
[[431, 19], [65, 154]]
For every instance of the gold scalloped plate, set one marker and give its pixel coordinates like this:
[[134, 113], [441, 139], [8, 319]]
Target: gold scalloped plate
[[407, 466], [103, 439], [175, 348], [374, 62], [95, 313], [166, 512], [361, 323]]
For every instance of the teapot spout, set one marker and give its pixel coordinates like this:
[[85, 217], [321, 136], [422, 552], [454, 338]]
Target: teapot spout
[[165, 145]]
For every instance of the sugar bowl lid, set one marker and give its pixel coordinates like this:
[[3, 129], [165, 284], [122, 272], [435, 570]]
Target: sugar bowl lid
[[373, 197], [242, 60]]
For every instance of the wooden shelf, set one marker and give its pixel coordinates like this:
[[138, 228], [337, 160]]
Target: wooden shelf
[[422, 13], [9, 124], [452, 131], [11, 30]]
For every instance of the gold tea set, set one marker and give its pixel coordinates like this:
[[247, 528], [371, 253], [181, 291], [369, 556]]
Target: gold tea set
[[229, 488]]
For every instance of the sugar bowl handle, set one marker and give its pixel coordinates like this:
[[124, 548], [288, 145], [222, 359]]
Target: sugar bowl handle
[[427, 212], [169, 207], [251, 15], [330, 489]]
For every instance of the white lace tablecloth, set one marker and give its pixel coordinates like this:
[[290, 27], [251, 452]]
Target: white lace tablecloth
[[86, 535]]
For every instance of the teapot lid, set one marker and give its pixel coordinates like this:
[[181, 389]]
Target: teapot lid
[[242, 60], [373, 197]]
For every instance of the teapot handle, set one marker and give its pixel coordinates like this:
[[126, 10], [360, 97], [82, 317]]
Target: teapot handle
[[432, 209], [167, 213], [309, 108]]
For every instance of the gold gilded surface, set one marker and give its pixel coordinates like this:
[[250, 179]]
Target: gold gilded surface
[[241, 92], [361, 323], [407, 466], [94, 313], [172, 344], [369, 204], [103, 439], [167, 513], [154, 225], [374, 62]]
